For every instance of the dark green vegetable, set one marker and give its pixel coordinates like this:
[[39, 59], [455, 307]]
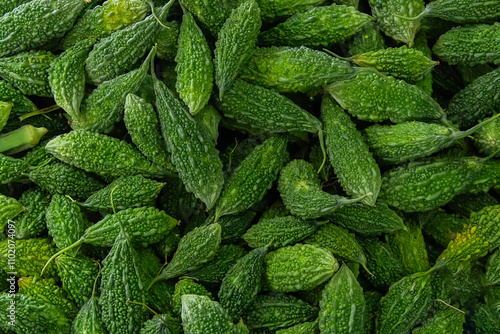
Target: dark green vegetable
[[31, 222]]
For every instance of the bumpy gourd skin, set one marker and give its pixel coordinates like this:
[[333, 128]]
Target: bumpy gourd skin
[[368, 39], [466, 204], [342, 305], [299, 267], [236, 44], [349, 155], [11, 169], [166, 40], [122, 280], [28, 72], [463, 11], [193, 152], [62, 179], [9, 209], [322, 25], [399, 29], [88, 320], [195, 71], [278, 310], [8, 5], [406, 302], [410, 247], [274, 10], [374, 97], [265, 109], [196, 310], [162, 324], [31, 222], [422, 44], [470, 45], [31, 256], [253, 177], [102, 21], [128, 192], [486, 319], [100, 154], [493, 268], [367, 220], [487, 139], [242, 283], [383, 263], [5, 109], [35, 23], [447, 321], [441, 226], [293, 69], [303, 328], [21, 104], [33, 315], [187, 287]]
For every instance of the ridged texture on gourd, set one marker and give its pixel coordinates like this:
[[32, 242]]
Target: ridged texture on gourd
[[104, 106], [422, 44], [31, 256], [374, 97], [463, 11], [9, 209], [89, 319], [470, 45], [35, 23], [102, 21], [187, 287], [252, 179], [236, 44], [67, 77], [100, 154], [8, 5], [399, 29], [11, 169], [242, 283], [62, 179], [493, 268], [299, 267], [342, 305], [195, 71], [65, 221], [368, 39], [28, 72], [162, 324], [466, 204], [166, 40], [20, 104], [447, 321], [265, 109], [487, 139], [5, 109], [323, 25], [275, 10], [131, 192], [476, 101], [349, 155], [383, 263], [410, 247], [441, 226], [278, 310], [303, 328], [193, 152], [31, 222], [195, 312], [122, 280], [293, 69]]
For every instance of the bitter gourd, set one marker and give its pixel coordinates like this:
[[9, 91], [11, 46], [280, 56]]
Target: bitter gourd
[[209, 118], [5, 109], [119, 53], [31, 222], [195, 248], [9, 5], [100, 154], [104, 106], [279, 232], [421, 44], [236, 44], [300, 189], [77, 276], [465, 204], [253, 177], [447, 321], [278, 310], [187, 287], [35, 23], [28, 72], [383, 263], [393, 26], [293, 69], [131, 192], [323, 25], [441, 226], [470, 45], [166, 40], [366, 220], [487, 139], [67, 77], [62, 179], [304, 328], [349, 155], [9, 209], [339, 242], [342, 305], [298, 267], [20, 104], [195, 71], [11, 169], [275, 10], [89, 319], [368, 39], [162, 324], [493, 268], [196, 310], [486, 319], [31, 256], [265, 109], [374, 97], [102, 21]]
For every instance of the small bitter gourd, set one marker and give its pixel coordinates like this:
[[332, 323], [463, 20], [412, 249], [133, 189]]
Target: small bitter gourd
[[209, 118], [28, 72], [441, 226], [342, 305], [31, 222], [487, 139], [31, 256], [236, 44], [253, 177], [62, 179], [368, 39], [374, 97], [383, 263], [195, 312], [470, 45], [35, 23], [298, 267], [349, 155], [187, 287], [9, 209], [300, 188], [493, 268], [89, 319], [166, 40], [323, 25], [195, 70], [20, 104], [11, 169], [100, 154], [293, 69], [447, 321]]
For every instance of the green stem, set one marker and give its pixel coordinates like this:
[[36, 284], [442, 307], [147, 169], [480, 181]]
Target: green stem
[[414, 18], [70, 247], [349, 59], [144, 305], [24, 138], [466, 133], [40, 112], [323, 149], [156, 279]]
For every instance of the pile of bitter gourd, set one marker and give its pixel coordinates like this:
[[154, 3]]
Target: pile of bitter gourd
[[249, 166]]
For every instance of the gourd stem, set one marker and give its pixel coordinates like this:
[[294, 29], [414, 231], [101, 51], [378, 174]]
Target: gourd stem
[[414, 18], [363, 264], [466, 133], [337, 56], [492, 155], [40, 112], [70, 247], [323, 149], [149, 308], [156, 279], [95, 281]]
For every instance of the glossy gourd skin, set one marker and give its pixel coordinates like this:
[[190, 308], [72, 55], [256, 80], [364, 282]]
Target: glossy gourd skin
[[11, 168], [9, 209], [463, 11], [368, 39], [9, 5], [410, 247], [187, 287], [31, 222], [88, 320], [196, 309]]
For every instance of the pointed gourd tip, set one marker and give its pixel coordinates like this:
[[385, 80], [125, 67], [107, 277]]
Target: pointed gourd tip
[[363, 264]]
